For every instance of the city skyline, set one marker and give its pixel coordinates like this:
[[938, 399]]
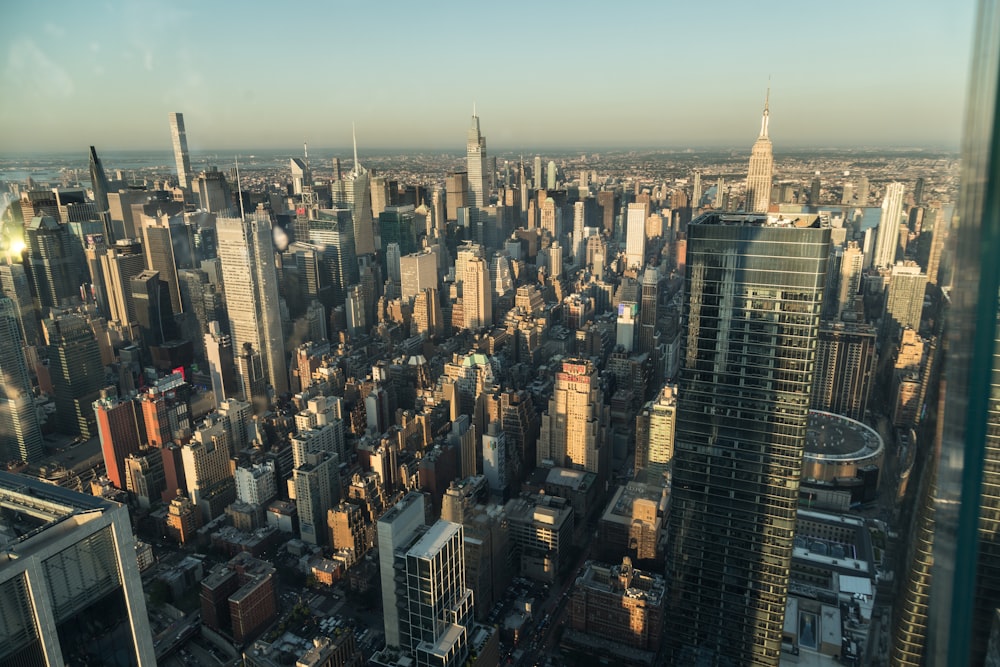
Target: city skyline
[[85, 71]]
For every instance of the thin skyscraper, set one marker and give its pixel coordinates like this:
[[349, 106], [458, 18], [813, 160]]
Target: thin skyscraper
[[888, 227], [99, 181], [179, 138], [479, 191]]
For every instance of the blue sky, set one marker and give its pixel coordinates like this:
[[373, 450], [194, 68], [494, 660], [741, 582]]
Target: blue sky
[[582, 74]]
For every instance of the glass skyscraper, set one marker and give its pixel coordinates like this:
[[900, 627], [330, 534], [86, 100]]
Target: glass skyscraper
[[753, 299]]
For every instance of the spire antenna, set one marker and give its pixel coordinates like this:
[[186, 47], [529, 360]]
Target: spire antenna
[[767, 112]]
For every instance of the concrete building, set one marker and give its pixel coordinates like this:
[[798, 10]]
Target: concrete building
[[634, 523], [573, 432], [621, 604], [541, 531]]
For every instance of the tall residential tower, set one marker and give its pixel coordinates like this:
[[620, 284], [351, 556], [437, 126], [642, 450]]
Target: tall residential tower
[[179, 138]]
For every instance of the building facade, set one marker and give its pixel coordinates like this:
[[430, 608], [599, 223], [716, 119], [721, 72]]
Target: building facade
[[745, 380]]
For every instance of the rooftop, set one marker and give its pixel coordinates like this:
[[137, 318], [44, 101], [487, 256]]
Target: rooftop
[[28, 507], [831, 437], [434, 539]]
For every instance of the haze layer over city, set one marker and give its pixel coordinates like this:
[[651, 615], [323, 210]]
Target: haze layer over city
[[401, 335]]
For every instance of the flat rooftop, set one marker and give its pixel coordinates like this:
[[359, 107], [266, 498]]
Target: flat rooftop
[[831, 437], [29, 507], [619, 509], [434, 539]]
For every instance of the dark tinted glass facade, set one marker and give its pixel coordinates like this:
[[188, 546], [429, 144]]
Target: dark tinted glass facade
[[752, 305]]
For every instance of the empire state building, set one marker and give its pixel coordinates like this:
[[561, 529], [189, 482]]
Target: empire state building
[[761, 167]]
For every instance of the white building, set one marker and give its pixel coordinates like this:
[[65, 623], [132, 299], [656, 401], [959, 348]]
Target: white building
[[250, 283], [887, 239], [635, 235]]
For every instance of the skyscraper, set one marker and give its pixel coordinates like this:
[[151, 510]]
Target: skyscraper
[[574, 428], [418, 271], [477, 297], [20, 431], [120, 264], [635, 235], [761, 167], [333, 230], [475, 156], [396, 528], [118, 426], [845, 369], [888, 227], [905, 298], [179, 138], [76, 370], [73, 594], [655, 427], [250, 281], [354, 192], [99, 181], [51, 261], [649, 310], [745, 379]]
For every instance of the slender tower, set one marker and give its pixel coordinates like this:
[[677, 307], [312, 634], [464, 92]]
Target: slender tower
[[99, 181], [179, 137], [761, 167], [476, 159]]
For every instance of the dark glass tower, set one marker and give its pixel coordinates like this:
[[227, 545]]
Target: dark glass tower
[[753, 298]]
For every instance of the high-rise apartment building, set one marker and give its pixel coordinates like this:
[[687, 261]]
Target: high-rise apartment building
[[178, 137], [845, 369], [73, 594], [475, 156], [118, 427], [574, 428], [251, 287], [851, 270], [905, 298], [396, 528], [317, 491], [435, 631], [761, 168], [888, 227], [418, 271], [20, 430], [121, 263], [752, 317], [655, 429]]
